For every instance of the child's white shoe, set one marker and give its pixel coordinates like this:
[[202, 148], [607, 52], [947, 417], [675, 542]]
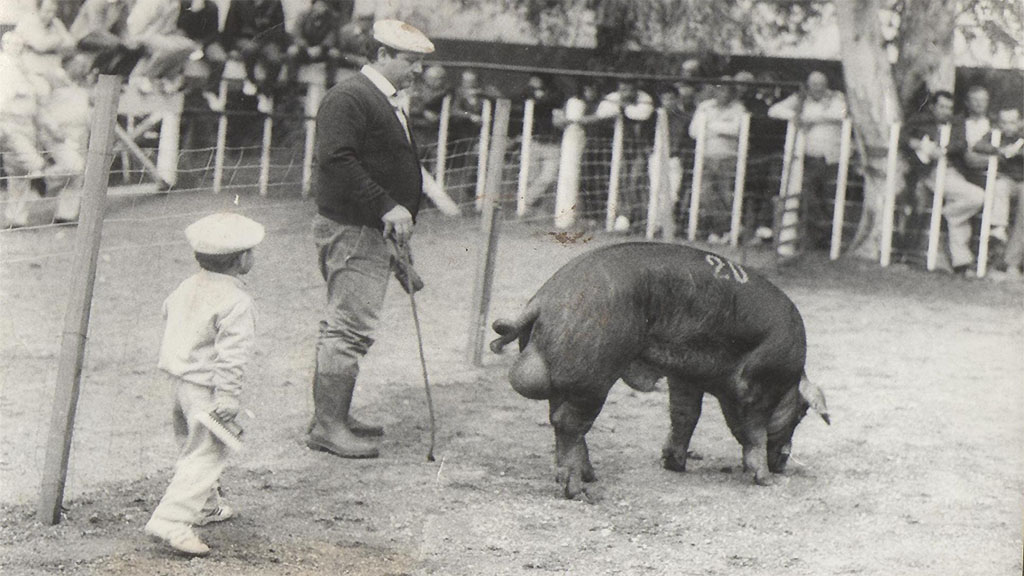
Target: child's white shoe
[[218, 514], [177, 535]]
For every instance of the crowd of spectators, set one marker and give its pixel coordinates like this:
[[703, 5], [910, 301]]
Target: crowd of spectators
[[717, 107]]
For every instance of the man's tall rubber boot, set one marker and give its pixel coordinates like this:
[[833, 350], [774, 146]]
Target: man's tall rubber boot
[[329, 432]]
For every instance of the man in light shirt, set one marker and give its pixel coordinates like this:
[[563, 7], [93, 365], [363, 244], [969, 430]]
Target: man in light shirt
[[721, 117], [818, 113]]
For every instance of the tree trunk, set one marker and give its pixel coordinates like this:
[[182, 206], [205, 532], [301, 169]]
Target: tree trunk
[[925, 47], [873, 104]]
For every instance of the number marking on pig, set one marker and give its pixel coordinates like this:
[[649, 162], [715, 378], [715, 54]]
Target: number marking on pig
[[738, 273]]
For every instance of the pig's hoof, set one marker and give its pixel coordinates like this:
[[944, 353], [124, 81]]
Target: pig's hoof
[[763, 478], [694, 455], [571, 482], [674, 460], [588, 473]]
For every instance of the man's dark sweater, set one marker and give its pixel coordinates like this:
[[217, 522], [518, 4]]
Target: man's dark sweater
[[365, 165]]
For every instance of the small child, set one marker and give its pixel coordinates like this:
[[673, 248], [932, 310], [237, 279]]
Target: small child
[[208, 340]]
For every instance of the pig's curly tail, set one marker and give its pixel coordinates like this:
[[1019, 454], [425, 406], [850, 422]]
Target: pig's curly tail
[[520, 328]]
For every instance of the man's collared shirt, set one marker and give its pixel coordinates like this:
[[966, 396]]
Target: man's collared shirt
[[389, 91]]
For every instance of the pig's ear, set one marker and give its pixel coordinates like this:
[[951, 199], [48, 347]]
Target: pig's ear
[[815, 397]]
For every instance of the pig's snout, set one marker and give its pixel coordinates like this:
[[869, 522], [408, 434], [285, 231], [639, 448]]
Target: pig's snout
[[529, 375]]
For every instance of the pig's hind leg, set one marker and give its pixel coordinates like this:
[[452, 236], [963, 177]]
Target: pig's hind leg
[[684, 405], [572, 419]]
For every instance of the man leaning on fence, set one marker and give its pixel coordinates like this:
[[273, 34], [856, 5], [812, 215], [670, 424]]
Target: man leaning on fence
[[818, 112], [368, 186]]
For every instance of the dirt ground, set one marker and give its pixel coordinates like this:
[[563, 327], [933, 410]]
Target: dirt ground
[[921, 472]]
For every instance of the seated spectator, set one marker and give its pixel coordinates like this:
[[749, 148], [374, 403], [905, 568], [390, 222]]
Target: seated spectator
[[425, 99], [63, 131], [153, 26], [254, 32], [98, 31], [19, 145], [961, 200], [1009, 183], [818, 113], [316, 41], [46, 43], [636, 109], [199, 21], [721, 116], [974, 166], [544, 150]]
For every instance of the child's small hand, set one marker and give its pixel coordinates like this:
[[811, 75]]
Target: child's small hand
[[225, 406]]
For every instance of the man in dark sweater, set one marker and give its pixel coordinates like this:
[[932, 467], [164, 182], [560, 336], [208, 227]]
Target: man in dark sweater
[[368, 184]]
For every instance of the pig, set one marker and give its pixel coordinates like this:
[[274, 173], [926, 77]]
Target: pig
[[638, 311]]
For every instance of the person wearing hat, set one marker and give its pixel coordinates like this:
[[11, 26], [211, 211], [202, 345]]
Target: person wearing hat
[[208, 341], [368, 184]]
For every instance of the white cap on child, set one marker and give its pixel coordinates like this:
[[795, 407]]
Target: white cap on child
[[224, 233], [402, 37]]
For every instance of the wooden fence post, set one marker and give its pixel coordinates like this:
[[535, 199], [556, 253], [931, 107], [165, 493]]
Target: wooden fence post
[[489, 234], [76, 321]]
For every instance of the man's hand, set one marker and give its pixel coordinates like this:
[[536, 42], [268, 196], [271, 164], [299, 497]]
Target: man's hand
[[398, 222], [225, 406]]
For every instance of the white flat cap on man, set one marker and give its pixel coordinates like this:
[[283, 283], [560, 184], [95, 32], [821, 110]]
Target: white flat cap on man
[[402, 37], [224, 233]]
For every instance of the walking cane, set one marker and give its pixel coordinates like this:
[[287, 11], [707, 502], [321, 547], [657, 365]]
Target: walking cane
[[410, 281]]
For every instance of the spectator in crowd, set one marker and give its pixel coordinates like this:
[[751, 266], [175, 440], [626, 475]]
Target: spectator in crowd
[[425, 99], [818, 112], [1009, 182], [465, 120], [153, 25], [46, 43], [760, 149], [254, 32], [636, 108], [344, 10], [354, 40], [316, 41], [962, 199], [19, 145], [764, 162], [368, 186], [545, 145], [679, 104], [63, 132], [199, 20], [582, 144], [973, 166], [99, 33], [720, 117]]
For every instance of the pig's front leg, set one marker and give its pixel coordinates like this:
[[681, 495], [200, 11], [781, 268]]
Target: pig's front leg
[[684, 406], [754, 428], [750, 428], [572, 419]]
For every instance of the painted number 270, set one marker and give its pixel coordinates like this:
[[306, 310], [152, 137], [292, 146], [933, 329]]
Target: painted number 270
[[737, 272]]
